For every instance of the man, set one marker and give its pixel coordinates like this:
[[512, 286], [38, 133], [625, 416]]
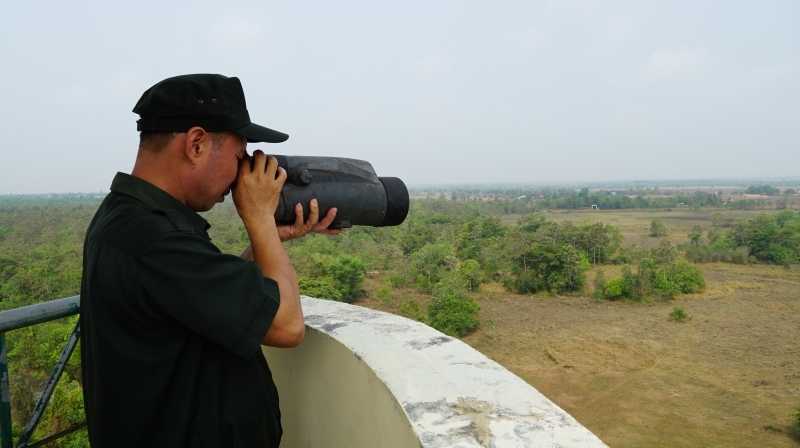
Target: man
[[172, 327]]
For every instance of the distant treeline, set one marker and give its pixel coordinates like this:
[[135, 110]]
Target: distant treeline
[[616, 185], [528, 201]]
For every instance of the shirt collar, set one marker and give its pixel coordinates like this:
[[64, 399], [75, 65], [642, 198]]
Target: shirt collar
[[156, 197]]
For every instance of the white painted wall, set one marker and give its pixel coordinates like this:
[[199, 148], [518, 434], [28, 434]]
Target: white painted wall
[[364, 378]]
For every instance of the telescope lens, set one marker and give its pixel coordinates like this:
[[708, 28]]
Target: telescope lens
[[396, 201]]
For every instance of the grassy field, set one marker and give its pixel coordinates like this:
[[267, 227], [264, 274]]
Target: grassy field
[[729, 376]]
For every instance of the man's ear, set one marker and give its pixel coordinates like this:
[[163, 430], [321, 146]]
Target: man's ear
[[197, 144]]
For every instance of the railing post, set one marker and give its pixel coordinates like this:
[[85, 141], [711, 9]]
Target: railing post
[[50, 387], [6, 440]]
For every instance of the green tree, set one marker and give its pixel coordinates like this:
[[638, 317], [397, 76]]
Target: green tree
[[470, 272], [412, 310], [550, 267], [716, 229], [657, 228], [665, 255], [615, 288], [599, 285], [417, 235], [431, 261], [452, 311], [695, 234], [347, 274], [322, 288], [600, 241], [687, 277]]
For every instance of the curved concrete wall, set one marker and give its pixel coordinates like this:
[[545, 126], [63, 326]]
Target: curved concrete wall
[[364, 378]]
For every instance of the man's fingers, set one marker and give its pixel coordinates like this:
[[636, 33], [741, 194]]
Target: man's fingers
[[313, 216], [298, 216], [259, 161], [281, 177], [271, 168], [327, 220]]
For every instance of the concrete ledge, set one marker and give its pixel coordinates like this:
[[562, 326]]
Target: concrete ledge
[[364, 378]]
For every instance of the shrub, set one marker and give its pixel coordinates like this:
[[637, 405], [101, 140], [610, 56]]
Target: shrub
[[452, 311], [397, 280], [797, 419], [384, 293], [615, 288], [657, 228], [687, 277], [424, 284], [695, 234], [348, 274], [454, 317], [411, 309], [678, 315], [323, 288], [401, 275], [556, 269], [665, 287], [528, 282]]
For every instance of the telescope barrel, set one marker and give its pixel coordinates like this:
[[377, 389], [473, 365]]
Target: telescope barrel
[[352, 186]]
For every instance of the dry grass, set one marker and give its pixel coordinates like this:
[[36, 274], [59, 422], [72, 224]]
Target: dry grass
[[638, 380]]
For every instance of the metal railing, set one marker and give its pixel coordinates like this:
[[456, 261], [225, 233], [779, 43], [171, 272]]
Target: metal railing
[[21, 318]]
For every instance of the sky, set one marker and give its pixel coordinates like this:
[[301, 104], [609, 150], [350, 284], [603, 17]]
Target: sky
[[429, 91]]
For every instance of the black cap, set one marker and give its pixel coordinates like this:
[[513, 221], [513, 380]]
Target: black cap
[[213, 102]]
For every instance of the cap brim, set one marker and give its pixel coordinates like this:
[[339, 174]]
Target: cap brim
[[258, 134]]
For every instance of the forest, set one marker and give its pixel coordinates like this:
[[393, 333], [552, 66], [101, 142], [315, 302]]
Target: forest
[[447, 249]]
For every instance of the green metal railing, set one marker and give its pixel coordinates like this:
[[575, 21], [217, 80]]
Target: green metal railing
[[25, 317]]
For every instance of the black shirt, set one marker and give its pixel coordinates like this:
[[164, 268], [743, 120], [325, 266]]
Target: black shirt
[[171, 330]]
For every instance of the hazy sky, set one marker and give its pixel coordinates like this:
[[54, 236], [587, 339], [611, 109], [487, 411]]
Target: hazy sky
[[429, 91]]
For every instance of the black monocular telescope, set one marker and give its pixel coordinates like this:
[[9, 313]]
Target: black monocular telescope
[[352, 186]]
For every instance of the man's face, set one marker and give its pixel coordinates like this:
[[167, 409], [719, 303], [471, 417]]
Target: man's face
[[221, 169]]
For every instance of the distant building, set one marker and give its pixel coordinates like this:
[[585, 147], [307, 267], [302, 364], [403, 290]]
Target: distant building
[[594, 207], [611, 192]]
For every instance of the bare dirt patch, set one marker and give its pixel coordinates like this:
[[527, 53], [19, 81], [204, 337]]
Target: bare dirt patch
[[778, 306], [598, 355]]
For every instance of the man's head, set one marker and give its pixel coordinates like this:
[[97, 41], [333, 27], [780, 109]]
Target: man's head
[[194, 130]]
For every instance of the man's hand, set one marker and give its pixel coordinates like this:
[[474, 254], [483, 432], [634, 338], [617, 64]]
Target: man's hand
[[256, 193], [299, 228]]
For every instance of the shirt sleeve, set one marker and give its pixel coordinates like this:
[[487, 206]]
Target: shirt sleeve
[[221, 297]]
